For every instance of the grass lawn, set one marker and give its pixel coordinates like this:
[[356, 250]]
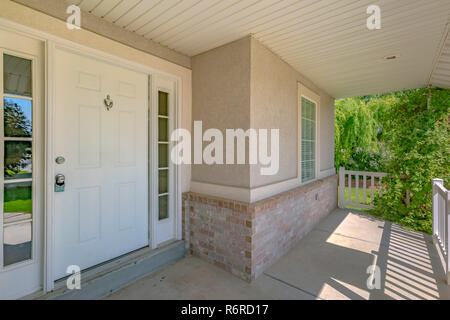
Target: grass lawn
[[18, 199], [360, 197]]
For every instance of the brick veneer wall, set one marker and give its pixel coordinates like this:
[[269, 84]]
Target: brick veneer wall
[[245, 238]]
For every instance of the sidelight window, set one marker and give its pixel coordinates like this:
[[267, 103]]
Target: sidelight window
[[163, 155], [16, 145]]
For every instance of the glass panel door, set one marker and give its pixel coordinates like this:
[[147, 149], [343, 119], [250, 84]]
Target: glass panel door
[[16, 143]]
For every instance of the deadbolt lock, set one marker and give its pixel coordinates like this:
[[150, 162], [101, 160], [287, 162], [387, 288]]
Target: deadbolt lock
[[60, 183]]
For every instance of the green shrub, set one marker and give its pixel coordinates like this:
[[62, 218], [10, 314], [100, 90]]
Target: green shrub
[[417, 138]]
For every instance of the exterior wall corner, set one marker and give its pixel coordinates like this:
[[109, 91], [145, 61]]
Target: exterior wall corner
[[246, 238]]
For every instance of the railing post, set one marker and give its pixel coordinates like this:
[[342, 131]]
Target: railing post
[[436, 209], [341, 187], [447, 236]]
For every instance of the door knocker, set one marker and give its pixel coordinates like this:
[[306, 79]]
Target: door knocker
[[108, 102]]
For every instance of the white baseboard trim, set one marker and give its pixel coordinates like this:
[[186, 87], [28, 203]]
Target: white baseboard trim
[[252, 195]]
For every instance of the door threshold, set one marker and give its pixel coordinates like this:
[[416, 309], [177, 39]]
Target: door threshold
[[105, 278]]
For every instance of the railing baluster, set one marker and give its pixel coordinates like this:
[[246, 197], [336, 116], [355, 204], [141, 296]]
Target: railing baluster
[[349, 187], [380, 188], [441, 218], [372, 178], [446, 202], [441, 221], [341, 187], [365, 188], [444, 214], [357, 189], [442, 231], [435, 212]]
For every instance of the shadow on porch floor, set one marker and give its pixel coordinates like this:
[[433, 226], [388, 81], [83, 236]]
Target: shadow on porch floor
[[329, 263]]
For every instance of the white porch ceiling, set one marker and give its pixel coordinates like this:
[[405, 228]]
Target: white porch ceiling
[[326, 40], [441, 73]]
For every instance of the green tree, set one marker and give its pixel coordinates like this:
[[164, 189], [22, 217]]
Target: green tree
[[17, 154], [16, 123], [357, 133]]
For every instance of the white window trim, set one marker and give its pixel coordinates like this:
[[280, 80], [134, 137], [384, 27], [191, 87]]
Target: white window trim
[[304, 92]]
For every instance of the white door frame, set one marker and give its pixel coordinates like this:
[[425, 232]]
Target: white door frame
[[51, 43]]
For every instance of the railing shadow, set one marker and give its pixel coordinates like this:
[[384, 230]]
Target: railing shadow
[[411, 266], [331, 262]]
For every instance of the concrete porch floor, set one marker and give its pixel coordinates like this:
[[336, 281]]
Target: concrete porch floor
[[329, 263]]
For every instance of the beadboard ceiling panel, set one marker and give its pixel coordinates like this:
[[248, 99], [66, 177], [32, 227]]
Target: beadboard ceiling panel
[[441, 74], [326, 40]]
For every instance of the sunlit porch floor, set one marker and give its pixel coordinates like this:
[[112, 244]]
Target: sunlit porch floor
[[331, 262]]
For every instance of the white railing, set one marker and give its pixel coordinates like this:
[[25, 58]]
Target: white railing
[[441, 227], [365, 181]]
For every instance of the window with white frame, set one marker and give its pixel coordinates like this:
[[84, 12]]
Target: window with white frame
[[16, 139], [163, 155], [308, 140]]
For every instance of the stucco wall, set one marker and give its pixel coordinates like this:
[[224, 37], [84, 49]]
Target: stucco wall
[[28, 17], [274, 105], [245, 85], [326, 132], [221, 99]]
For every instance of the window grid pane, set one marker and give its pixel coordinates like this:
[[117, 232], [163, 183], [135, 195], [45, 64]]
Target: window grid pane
[[18, 160], [163, 207], [16, 75], [17, 119], [308, 140]]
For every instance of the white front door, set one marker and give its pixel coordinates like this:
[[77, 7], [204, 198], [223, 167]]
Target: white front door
[[103, 211]]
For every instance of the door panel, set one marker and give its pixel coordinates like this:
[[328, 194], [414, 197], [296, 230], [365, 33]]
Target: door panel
[[103, 212]]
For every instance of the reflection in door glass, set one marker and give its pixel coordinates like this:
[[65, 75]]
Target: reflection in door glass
[[17, 117], [16, 75], [163, 156], [17, 243], [163, 207], [17, 214], [18, 160], [163, 103], [17, 204], [163, 132], [162, 181]]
